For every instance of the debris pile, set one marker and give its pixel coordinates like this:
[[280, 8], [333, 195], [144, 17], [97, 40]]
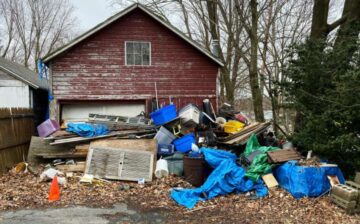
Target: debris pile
[[166, 156]]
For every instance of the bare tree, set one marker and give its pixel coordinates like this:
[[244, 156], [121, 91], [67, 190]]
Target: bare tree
[[36, 27], [7, 26], [254, 36]]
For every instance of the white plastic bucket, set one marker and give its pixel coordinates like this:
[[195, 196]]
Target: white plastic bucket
[[161, 168]]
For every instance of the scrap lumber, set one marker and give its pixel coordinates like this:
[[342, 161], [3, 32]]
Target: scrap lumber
[[62, 155], [40, 146], [111, 134], [270, 180], [78, 167], [242, 136], [120, 164], [283, 155]]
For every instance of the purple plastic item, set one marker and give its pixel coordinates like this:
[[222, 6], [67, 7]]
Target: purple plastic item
[[47, 128]]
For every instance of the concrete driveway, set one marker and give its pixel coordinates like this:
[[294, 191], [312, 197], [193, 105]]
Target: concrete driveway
[[119, 213]]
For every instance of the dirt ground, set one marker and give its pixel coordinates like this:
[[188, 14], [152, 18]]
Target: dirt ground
[[24, 191]]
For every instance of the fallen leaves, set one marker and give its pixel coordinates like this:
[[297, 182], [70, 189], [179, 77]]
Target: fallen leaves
[[25, 191]]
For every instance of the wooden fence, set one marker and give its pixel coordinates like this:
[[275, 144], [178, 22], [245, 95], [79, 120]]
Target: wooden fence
[[16, 129]]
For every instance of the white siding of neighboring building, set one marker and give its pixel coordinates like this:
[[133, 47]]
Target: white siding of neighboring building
[[13, 93]]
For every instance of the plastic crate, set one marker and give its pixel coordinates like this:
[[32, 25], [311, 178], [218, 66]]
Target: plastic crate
[[190, 114], [232, 126], [164, 115], [166, 149], [184, 143], [175, 163], [164, 136], [47, 128]]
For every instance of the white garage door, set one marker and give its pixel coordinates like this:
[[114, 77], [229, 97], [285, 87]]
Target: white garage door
[[80, 112]]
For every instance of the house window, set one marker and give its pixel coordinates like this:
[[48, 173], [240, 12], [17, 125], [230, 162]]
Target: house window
[[137, 53]]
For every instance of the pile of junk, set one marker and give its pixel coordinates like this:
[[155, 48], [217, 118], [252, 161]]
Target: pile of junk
[[227, 153], [218, 153]]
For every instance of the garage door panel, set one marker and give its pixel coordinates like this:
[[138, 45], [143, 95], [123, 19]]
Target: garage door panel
[[82, 111]]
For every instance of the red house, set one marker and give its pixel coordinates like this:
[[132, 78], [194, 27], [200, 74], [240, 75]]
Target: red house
[[116, 68]]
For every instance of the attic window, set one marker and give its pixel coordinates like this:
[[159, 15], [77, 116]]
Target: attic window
[[137, 53]]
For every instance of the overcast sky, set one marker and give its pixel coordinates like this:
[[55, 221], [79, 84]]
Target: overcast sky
[[91, 12]]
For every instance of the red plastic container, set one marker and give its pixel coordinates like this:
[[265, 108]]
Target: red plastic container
[[47, 128]]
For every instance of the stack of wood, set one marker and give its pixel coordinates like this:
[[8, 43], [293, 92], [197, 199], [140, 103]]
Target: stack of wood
[[241, 137], [70, 150]]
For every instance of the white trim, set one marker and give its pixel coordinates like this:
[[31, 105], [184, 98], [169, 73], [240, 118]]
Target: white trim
[[137, 41], [100, 26]]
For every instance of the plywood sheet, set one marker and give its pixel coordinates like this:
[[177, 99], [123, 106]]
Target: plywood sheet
[[135, 144], [270, 180]]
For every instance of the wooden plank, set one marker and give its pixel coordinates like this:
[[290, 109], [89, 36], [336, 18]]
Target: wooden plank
[[112, 134], [16, 128], [61, 155], [78, 167], [283, 155], [39, 146], [13, 144], [134, 144], [242, 137], [270, 180]]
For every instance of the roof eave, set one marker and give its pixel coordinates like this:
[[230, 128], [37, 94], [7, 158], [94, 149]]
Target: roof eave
[[112, 19], [19, 77]]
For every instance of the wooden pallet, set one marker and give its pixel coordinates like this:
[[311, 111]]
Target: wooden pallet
[[283, 155]]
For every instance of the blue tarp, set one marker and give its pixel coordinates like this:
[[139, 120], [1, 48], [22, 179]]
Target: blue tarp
[[306, 181], [227, 177], [87, 130]]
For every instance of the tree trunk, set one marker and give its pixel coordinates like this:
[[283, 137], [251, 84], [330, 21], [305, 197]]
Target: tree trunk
[[319, 19], [253, 72]]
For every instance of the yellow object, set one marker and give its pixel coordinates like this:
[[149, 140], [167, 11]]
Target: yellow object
[[232, 127]]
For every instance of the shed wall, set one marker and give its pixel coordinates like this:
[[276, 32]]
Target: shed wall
[[95, 68]]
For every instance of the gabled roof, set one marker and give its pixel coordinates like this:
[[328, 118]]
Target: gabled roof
[[119, 15], [22, 73]]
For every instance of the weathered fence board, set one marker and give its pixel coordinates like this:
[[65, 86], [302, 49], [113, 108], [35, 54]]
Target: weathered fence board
[[16, 129]]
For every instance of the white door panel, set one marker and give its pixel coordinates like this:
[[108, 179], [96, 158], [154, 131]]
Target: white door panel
[[82, 111]]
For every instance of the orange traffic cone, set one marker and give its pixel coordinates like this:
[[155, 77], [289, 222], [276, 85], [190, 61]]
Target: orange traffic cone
[[54, 194]]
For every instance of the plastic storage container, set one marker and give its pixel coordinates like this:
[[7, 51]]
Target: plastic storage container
[[163, 115], [176, 163], [166, 149], [183, 144], [164, 136], [232, 127], [47, 128], [190, 114]]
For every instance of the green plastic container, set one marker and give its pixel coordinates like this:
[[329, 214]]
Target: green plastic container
[[175, 163]]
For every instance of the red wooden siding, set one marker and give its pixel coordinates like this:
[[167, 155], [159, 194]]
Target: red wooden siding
[[95, 68]]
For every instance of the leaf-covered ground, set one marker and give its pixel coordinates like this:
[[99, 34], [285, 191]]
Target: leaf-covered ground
[[19, 191]]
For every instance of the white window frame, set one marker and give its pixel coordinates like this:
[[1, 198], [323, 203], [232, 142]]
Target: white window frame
[[134, 41]]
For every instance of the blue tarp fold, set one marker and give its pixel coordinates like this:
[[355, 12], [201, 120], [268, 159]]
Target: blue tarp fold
[[87, 130], [227, 177], [306, 181]]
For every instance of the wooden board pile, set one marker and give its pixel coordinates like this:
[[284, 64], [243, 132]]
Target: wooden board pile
[[68, 152]]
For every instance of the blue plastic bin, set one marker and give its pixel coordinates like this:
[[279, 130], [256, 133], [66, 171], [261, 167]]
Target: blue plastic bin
[[163, 115], [166, 149], [184, 143]]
